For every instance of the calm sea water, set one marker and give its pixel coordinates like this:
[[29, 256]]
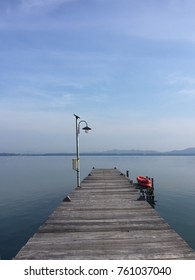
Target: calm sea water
[[32, 187]]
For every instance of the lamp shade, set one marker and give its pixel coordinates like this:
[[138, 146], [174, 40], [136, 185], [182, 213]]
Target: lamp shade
[[86, 128]]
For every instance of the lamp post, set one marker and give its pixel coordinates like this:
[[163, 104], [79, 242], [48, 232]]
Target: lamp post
[[77, 163]]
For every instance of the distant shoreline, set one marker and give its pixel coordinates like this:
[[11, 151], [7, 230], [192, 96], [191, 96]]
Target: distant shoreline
[[93, 154], [115, 152]]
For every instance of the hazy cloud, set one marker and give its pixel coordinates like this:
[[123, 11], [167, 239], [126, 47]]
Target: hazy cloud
[[181, 79], [159, 20], [186, 92]]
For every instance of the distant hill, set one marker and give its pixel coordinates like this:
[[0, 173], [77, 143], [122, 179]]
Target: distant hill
[[187, 151], [129, 152], [9, 154]]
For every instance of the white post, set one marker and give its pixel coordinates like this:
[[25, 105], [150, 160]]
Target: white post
[[86, 128], [77, 151]]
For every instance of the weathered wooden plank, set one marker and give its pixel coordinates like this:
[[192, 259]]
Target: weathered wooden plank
[[105, 254], [105, 220], [114, 236], [125, 248]]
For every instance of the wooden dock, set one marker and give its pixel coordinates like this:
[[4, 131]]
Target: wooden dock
[[105, 220]]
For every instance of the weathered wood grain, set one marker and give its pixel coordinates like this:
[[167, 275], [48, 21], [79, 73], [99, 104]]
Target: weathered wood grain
[[105, 220]]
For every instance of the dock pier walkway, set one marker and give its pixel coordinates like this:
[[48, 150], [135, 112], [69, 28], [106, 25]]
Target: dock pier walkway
[[105, 220]]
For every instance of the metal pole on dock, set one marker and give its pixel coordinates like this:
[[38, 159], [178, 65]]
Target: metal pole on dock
[[86, 129]]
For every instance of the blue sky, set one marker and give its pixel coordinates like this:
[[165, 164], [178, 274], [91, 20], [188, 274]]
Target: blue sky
[[126, 67]]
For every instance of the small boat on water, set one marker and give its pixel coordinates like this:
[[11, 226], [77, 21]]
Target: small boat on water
[[144, 181]]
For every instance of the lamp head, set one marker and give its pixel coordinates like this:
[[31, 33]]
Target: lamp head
[[86, 129]]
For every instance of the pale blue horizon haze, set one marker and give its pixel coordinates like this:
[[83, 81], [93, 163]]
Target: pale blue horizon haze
[[126, 67]]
